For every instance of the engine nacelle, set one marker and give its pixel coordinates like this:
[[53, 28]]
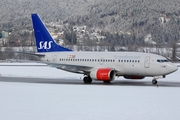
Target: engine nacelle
[[103, 74], [133, 77]]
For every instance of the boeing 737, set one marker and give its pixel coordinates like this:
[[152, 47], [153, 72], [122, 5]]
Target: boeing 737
[[100, 66]]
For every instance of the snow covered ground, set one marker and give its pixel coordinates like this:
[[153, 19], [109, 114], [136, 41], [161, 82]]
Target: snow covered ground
[[31, 101], [31, 70]]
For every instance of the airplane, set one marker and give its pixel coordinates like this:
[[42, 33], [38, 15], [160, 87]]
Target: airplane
[[99, 66]]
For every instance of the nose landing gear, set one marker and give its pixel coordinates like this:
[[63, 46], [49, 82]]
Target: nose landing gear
[[154, 81]]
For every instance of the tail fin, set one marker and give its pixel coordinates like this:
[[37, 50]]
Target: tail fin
[[44, 41]]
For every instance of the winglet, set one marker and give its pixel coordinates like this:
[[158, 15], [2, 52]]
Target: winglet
[[44, 41]]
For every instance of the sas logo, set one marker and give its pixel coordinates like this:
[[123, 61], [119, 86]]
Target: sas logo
[[45, 45]]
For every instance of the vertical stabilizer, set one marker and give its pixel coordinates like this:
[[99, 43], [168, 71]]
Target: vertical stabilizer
[[44, 41]]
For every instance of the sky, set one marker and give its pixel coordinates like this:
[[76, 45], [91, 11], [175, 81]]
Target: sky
[[27, 101]]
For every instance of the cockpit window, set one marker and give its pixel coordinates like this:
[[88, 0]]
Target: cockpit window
[[162, 60], [158, 60]]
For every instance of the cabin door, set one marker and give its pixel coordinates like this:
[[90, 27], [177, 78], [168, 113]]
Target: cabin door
[[54, 58], [147, 62]]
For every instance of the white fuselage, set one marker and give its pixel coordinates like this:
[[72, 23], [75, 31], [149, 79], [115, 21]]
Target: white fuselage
[[126, 63], [102, 66]]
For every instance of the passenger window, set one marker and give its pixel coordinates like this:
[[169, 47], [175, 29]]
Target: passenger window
[[121, 60], [132, 60], [124, 60]]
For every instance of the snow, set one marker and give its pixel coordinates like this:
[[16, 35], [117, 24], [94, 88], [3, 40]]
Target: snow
[[35, 101], [39, 71]]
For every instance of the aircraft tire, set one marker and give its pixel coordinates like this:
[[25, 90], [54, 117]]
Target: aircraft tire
[[154, 81], [107, 82], [87, 80]]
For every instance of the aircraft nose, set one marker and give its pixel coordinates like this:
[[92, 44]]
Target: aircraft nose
[[174, 68]]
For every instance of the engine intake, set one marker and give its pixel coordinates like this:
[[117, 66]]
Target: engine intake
[[103, 74]]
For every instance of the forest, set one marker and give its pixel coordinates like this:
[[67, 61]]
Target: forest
[[122, 22]]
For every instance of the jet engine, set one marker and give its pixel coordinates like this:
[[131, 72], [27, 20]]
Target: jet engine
[[133, 77], [103, 74]]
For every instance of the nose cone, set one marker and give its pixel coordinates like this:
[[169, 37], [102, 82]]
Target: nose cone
[[173, 68]]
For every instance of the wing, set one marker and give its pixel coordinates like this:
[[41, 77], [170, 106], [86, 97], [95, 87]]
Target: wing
[[71, 68], [65, 67]]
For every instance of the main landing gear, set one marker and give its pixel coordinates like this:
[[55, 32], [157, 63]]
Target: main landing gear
[[87, 79], [154, 81], [107, 82]]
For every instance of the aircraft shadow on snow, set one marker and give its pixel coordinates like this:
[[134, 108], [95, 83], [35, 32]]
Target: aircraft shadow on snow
[[80, 82]]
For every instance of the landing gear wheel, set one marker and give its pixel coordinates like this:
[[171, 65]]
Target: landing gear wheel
[[154, 81], [87, 80], [107, 82]]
